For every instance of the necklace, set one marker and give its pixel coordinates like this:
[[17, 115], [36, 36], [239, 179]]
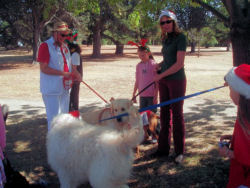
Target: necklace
[[144, 69]]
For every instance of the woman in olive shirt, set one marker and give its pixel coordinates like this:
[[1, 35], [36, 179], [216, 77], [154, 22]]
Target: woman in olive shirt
[[172, 84]]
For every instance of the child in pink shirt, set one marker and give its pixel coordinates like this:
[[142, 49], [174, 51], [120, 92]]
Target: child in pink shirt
[[145, 71]]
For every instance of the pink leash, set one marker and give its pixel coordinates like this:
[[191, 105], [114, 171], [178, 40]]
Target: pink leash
[[94, 91]]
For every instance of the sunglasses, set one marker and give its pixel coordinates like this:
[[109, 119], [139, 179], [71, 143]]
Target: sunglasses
[[63, 35], [166, 22]]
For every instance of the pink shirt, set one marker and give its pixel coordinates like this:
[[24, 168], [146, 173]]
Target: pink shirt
[[144, 75]]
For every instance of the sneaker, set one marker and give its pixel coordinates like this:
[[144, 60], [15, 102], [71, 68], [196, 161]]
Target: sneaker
[[179, 159]]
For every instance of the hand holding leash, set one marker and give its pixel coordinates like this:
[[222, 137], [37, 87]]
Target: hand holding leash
[[142, 91]]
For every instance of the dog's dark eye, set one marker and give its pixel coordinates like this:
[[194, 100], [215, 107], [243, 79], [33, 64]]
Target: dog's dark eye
[[123, 109]]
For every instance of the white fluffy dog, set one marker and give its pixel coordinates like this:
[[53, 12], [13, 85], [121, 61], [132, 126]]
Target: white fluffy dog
[[79, 152], [116, 107]]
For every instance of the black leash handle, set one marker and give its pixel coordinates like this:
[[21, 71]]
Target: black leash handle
[[142, 90]]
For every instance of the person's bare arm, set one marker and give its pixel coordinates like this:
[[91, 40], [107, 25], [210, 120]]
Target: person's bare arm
[[76, 75], [44, 67], [134, 92]]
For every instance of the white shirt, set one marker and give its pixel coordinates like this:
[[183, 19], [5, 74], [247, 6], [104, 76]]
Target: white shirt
[[75, 59]]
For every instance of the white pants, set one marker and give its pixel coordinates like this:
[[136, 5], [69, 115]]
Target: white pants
[[55, 104]]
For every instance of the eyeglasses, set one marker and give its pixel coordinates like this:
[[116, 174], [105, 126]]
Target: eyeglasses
[[63, 35], [166, 22]]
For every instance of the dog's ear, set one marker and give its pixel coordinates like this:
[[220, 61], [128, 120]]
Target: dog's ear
[[135, 119], [111, 99], [130, 103], [132, 111]]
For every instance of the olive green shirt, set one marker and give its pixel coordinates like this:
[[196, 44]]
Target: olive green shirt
[[170, 46]]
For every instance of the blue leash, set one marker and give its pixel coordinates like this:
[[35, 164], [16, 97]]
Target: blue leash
[[165, 103]]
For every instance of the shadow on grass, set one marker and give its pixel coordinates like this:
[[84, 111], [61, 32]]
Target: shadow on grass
[[26, 138], [210, 171], [15, 59]]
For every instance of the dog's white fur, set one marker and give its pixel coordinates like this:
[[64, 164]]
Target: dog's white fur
[[116, 107], [79, 152]]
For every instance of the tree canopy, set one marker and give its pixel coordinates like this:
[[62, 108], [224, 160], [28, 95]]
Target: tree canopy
[[116, 21]]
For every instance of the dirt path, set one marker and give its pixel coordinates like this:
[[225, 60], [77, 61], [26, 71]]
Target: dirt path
[[207, 116]]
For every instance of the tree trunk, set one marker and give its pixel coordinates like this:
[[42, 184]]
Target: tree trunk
[[241, 52], [97, 41], [36, 32], [199, 48], [36, 37], [192, 47], [119, 49], [229, 46], [239, 31]]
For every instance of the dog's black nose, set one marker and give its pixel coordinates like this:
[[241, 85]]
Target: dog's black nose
[[119, 119]]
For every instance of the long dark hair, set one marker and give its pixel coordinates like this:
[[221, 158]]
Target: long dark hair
[[74, 48]]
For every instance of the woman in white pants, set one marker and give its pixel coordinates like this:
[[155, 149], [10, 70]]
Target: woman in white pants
[[56, 75]]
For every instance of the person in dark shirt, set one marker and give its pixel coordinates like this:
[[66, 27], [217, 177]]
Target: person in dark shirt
[[172, 84]]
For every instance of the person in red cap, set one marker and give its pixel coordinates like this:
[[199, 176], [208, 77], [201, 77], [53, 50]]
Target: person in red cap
[[56, 72], [238, 79]]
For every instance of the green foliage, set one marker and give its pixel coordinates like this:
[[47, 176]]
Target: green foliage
[[119, 20], [134, 19], [221, 32], [193, 35], [207, 36], [48, 6]]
